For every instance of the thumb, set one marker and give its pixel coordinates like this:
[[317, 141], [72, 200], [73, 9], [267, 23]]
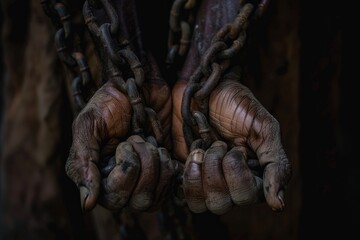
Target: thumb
[[239, 117], [81, 165], [107, 115], [277, 169]]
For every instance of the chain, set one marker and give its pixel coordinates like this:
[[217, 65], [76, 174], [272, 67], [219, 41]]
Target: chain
[[68, 46], [125, 70], [181, 21], [123, 66], [182, 17], [225, 45], [123, 63]]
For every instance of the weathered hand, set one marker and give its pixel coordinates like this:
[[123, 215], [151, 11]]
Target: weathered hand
[[140, 176], [107, 115], [97, 130], [219, 177], [244, 132]]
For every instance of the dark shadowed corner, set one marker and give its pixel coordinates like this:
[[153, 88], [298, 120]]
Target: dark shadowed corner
[[2, 75]]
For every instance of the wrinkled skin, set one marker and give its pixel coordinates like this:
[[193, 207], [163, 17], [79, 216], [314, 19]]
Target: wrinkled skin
[[140, 174], [214, 179], [142, 171], [219, 177], [141, 177]]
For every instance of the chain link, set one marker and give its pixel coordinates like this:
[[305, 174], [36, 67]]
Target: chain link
[[124, 67], [67, 43], [182, 17], [225, 45]]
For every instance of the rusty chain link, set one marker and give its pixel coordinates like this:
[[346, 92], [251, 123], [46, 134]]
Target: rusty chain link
[[225, 45], [68, 46], [182, 17], [124, 67], [181, 22]]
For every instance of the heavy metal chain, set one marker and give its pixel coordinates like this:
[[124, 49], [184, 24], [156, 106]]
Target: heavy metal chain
[[182, 17], [225, 45], [124, 67], [121, 62], [69, 48], [125, 70]]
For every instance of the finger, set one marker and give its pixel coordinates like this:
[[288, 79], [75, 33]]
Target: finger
[[121, 181], [240, 118], [107, 114], [192, 181], [276, 177], [277, 168], [143, 194], [244, 187], [217, 196], [81, 165], [166, 178]]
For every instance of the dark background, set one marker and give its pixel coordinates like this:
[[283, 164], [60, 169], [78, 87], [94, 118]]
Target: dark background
[[299, 68]]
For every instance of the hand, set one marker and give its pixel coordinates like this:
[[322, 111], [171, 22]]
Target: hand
[[141, 176], [97, 131], [106, 116], [219, 177]]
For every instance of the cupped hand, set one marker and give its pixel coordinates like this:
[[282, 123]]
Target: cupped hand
[[219, 177], [106, 116], [100, 127]]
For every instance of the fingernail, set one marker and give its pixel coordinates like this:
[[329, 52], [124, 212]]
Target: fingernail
[[127, 146], [164, 155], [281, 199], [84, 193], [197, 156]]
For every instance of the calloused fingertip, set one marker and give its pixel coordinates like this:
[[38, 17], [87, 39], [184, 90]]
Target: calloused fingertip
[[87, 198], [84, 194], [277, 202]]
